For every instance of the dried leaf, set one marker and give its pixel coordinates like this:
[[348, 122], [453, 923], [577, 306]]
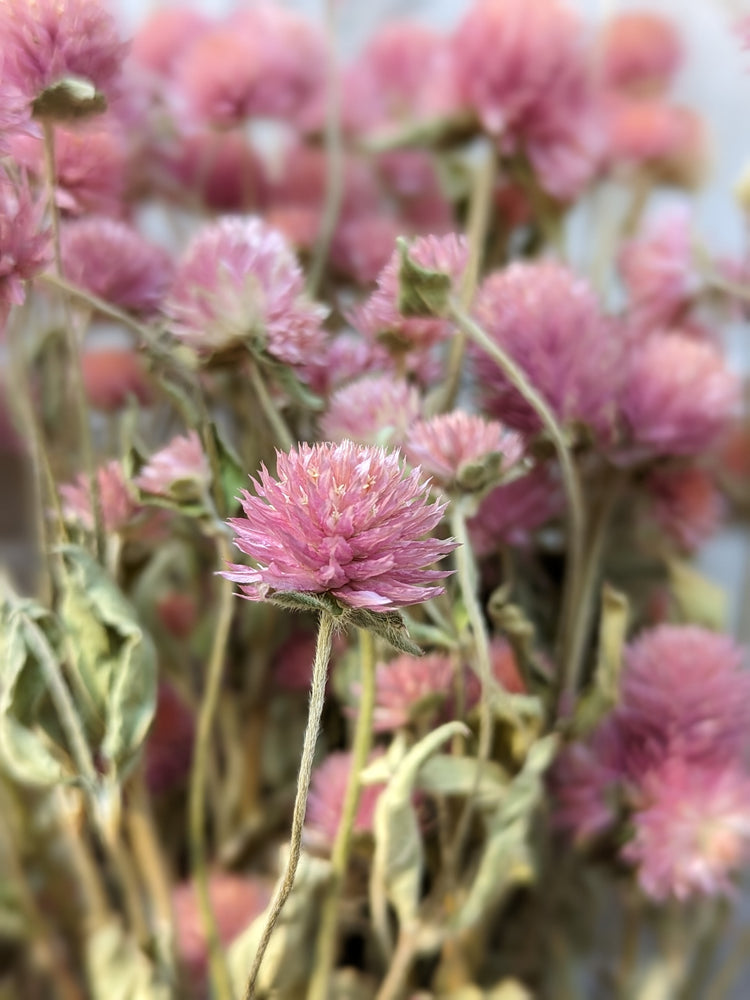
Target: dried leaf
[[698, 600], [444, 774], [421, 291], [118, 970], [605, 689], [388, 625]]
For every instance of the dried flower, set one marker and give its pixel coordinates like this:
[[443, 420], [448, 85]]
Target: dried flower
[[181, 467], [169, 747], [407, 686], [165, 35], [115, 263], [667, 138], [509, 514], [678, 395], [640, 52], [14, 114], [342, 519], [118, 507], [240, 283], [111, 376], [372, 410], [25, 246], [550, 323], [326, 800], [455, 448], [685, 504]]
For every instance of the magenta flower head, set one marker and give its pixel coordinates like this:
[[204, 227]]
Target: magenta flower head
[[549, 321], [461, 451], [410, 686], [685, 503], [51, 43], [326, 802], [677, 397], [25, 246], [181, 468], [118, 507], [239, 283], [372, 410], [344, 520], [114, 262], [512, 512]]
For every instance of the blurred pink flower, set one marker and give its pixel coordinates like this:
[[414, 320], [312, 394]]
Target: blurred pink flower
[[445, 445], [686, 504], [677, 397], [164, 35], [44, 42], [641, 52], [25, 245], [584, 786], [118, 507], [239, 282], [169, 747], [14, 113], [326, 800], [691, 830], [343, 519], [509, 514], [407, 684], [374, 410], [114, 262], [669, 139], [550, 323], [350, 355], [113, 375], [362, 246], [380, 316], [504, 668], [179, 466]]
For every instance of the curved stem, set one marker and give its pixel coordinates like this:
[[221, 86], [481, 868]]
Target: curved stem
[[326, 942], [317, 699], [278, 425], [398, 971], [570, 668], [197, 793]]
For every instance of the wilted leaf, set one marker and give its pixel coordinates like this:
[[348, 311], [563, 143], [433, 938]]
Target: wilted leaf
[[118, 970], [445, 774], [421, 291], [389, 625], [698, 600], [605, 689]]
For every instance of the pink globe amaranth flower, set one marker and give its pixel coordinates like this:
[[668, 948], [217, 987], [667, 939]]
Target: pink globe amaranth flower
[[549, 321], [113, 261], [509, 514], [504, 670], [379, 316], [169, 747], [240, 283], [692, 830], [685, 504], [583, 784], [262, 62], [668, 139], [361, 247], [411, 178], [112, 376], [236, 900], [677, 396], [446, 445], [180, 466], [326, 800], [163, 37], [659, 270], [408, 685], [342, 519], [640, 52], [350, 356], [25, 244], [44, 42], [118, 507], [14, 114], [374, 410]]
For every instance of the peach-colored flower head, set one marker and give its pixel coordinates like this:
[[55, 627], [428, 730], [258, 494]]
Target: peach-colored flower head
[[410, 685], [240, 283], [549, 321], [686, 504], [640, 51], [511, 513], [380, 316], [342, 519], [163, 37], [447, 445], [669, 139], [372, 410], [118, 507], [180, 465], [112, 375], [47, 41], [326, 801], [25, 245], [678, 396], [113, 261]]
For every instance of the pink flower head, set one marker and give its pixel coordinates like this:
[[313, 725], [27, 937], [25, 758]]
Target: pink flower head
[[263, 62], [113, 261], [164, 36], [641, 52], [692, 830], [407, 685], [25, 246], [14, 113], [326, 800], [686, 504], [111, 376], [584, 783], [447, 445], [667, 138], [550, 323], [239, 282], [118, 507], [235, 899], [48, 41], [169, 747], [380, 316], [678, 395], [377, 410], [509, 514], [180, 466], [659, 270], [362, 246], [349, 356], [342, 519]]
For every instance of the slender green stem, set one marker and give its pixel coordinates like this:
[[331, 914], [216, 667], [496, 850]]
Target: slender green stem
[[317, 700], [326, 943], [278, 424], [197, 793], [570, 669]]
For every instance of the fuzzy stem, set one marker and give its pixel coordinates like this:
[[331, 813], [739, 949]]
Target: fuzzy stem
[[76, 372], [278, 424], [317, 699], [570, 668], [326, 942], [197, 792]]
